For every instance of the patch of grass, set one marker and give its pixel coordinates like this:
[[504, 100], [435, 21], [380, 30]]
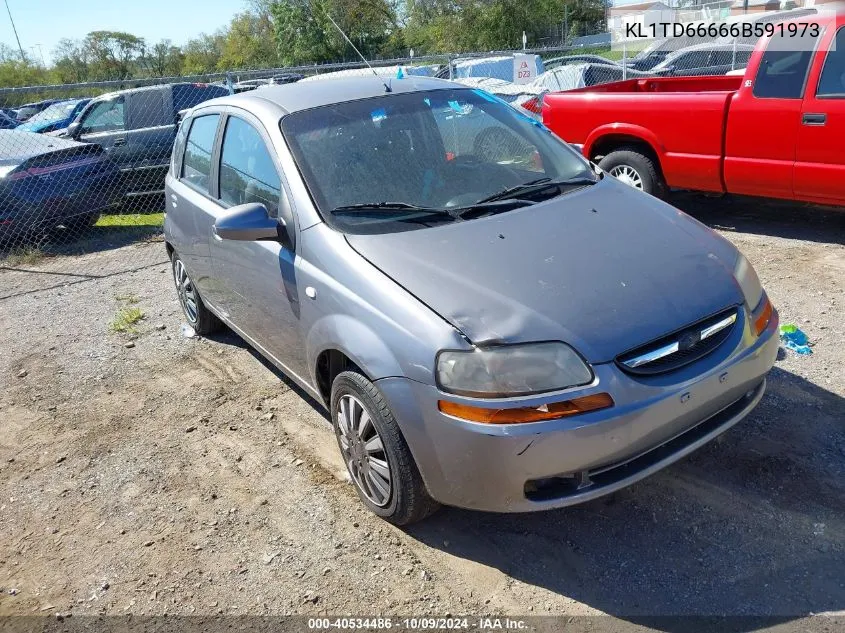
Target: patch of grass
[[125, 319], [126, 298], [132, 219], [25, 256]]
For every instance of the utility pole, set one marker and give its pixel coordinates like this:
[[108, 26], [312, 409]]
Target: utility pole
[[23, 56], [565, 23], [40, 53]]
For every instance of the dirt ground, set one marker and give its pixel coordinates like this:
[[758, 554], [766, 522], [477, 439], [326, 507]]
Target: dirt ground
[[153, 473]]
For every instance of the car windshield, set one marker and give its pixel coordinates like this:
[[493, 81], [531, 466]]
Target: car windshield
[[405, 161], [55, 112]]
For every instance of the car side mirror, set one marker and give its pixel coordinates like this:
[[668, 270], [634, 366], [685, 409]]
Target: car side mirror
[[248, 223], [73, 129]]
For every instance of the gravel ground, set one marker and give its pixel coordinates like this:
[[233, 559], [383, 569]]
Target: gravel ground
[[157, 474]]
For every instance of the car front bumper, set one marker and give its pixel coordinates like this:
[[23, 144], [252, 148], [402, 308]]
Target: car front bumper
[[545, 465]]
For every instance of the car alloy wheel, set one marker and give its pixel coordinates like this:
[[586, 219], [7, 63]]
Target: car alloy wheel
[[628, 175], [186, 291], [363, 451]]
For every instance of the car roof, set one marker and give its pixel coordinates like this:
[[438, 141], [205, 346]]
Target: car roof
[[306, 95], [708, 46], [20, 145]]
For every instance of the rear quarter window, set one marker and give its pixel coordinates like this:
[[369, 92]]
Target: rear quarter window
[[146, 109]]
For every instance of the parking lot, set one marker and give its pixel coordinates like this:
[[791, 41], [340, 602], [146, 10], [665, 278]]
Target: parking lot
[[152, 473]]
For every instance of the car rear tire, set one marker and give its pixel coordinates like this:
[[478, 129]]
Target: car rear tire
[[631, 166], [198, 316], [376, 455], [81, 223]]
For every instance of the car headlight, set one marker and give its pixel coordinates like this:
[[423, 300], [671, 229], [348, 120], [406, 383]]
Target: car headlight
[[511, 370], [748, 281]]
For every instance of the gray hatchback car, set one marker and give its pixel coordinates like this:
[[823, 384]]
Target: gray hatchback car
[[496, 326]]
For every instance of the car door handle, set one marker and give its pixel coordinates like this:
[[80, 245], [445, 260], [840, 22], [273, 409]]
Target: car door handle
[[811, 118], [119, 141], [174, 200]]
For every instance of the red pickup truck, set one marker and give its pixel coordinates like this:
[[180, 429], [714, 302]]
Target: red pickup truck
[[778, 131]]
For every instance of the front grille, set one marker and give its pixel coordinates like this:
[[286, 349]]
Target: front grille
[[680, 348]]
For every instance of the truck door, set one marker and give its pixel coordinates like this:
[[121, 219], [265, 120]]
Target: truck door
[[763, 121], [150, 133], [820, 163], [105, 125]]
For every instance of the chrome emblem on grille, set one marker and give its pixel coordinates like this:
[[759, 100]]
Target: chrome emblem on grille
[[684, 341], [688, 339]]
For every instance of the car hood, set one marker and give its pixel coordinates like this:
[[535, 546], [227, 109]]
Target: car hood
[[605, 269]]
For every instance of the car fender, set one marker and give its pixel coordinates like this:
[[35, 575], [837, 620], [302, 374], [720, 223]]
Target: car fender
[[623, 129], [360, 343]]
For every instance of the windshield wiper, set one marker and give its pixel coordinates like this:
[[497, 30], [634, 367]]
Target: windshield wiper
[[490, 207], [541, 184], [386, 207]]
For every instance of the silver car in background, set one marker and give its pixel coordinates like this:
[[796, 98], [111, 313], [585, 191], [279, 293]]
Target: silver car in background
[[493, 327]]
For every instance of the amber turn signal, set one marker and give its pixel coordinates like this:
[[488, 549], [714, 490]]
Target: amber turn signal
[[520, 415], [762, 316]]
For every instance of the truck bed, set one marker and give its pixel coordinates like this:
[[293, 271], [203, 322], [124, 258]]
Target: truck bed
[[714, 83], [682, 118]]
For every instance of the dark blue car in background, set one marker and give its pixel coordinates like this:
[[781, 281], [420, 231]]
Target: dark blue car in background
[[7, 122], [46, 182], [55, 117]]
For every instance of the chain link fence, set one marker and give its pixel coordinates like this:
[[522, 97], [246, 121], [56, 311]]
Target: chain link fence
[[82, 166]]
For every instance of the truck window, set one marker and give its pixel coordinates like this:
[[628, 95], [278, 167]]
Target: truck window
[[196, 166], [188, 95], [146, 109], [832, 80], [783, 70], [105, 116]]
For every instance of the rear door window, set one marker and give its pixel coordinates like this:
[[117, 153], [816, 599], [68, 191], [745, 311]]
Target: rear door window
[[196, 166], [783, 70]]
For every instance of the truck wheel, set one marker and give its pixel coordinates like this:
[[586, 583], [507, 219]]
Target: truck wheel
[[379, 462], [631, 166]]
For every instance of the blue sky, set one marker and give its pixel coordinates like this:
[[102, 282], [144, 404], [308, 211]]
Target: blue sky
[[45, 22]]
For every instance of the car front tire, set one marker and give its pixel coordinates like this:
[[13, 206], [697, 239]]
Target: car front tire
[[377, 457]]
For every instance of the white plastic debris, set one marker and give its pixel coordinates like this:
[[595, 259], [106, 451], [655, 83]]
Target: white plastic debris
[[187, 331]]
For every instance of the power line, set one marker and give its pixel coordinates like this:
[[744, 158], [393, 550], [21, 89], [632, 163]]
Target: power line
[[23, 56]]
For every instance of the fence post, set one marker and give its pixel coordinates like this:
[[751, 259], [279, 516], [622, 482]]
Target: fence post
[[449, 62], [624, 60], [229, 83]]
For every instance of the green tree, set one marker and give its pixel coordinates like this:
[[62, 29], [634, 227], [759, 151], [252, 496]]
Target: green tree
[[249, 42], [16, 72], [164, 59], [305, 34], [202, 54], [113, 54], [71, 65]]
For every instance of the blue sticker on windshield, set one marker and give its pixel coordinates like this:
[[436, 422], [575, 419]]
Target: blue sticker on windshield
[[378, 115], [460, 108]]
